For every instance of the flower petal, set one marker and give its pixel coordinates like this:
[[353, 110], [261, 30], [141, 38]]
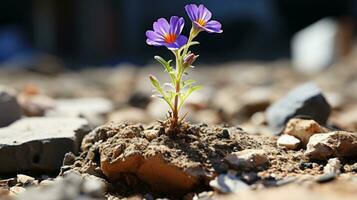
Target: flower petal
[[198, 25], [213, 26], [203, 13], [192, 11], [161, 26], [181, 41], [154, 38], [176, 25]]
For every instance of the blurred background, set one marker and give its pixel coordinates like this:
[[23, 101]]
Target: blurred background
[[89, 32]]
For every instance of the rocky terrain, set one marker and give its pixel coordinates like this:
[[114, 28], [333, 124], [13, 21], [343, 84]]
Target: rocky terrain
[[256, 130]]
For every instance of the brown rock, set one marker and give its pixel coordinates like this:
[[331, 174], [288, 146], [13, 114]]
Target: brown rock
[[303, 129], [249, 159], [333, 144], [165, 177], [159, 174]]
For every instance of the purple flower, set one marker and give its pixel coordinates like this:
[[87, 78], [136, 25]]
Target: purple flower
[[167, 34], [200, 17]]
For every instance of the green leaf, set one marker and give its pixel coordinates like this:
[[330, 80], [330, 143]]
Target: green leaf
[[193, 43], [167, 66], [156, 84], [188, 82], [159, 89]]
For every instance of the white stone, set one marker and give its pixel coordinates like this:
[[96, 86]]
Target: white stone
[[289, 142]]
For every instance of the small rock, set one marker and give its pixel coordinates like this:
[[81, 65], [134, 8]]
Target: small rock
[[9, 108], [306, 100], [249, 159], [151, 134], [303, 129], [39, 143], [25, 180], [333, 144], [289, 142], [333, 166], [228, 183]]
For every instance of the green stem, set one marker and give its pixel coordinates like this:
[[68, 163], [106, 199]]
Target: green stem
[[175, 111], [193, 34]]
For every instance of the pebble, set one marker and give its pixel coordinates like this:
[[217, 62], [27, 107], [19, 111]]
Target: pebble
[[333, 166], [249, 159], [228, 183], [289, 142]]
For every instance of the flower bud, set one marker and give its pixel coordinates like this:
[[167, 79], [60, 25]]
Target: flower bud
[[189, 59]]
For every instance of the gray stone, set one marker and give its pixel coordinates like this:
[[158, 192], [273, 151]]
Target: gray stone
[[39, 144], [228, 183], [9, 108], [306, 100]]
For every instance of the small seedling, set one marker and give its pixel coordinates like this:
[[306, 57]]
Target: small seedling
[[168, 34]]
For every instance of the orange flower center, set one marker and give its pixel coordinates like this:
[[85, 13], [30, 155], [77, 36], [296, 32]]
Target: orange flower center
[[201, 22], [170, 38]]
